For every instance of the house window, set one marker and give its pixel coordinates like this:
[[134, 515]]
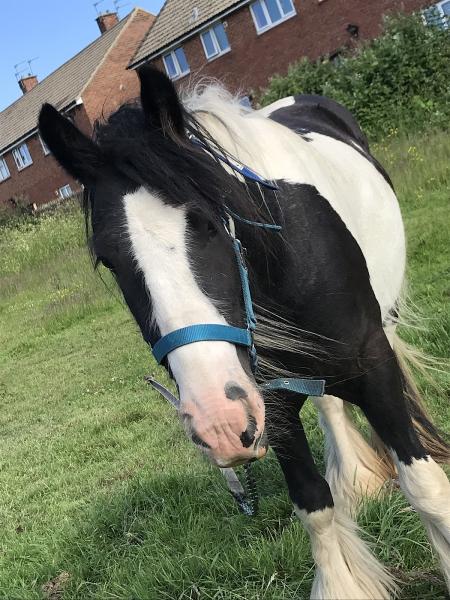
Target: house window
[[438, 14], [4, 171], [22, 156], [45, 148], [65, 192], [176, 64], [268, 13], [215, 41]]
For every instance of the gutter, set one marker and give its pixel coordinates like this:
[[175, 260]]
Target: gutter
[[186, 36]]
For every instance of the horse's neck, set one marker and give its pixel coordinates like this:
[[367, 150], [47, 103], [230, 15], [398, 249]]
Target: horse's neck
[[249, 139]]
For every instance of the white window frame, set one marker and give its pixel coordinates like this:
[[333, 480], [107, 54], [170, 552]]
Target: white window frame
[[270, 23], [215, 42], [65, 191], [438, 6], [45, 148], [6, 175], [180, 73], [18, 159], [445, 18]]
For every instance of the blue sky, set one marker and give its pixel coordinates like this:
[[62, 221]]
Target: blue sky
[[53, 30]]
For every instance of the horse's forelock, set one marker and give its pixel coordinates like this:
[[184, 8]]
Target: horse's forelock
[[182, 172]]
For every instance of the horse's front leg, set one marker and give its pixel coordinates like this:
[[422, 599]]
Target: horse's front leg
[[345, 568], [354, 470]]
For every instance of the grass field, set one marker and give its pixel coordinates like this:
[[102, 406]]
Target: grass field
[[101, 495]]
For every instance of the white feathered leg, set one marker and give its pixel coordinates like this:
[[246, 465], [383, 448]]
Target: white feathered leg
[[427, 488], [345, 567], [354, 470]]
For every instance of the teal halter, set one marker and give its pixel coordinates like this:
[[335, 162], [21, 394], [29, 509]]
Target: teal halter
[[234, 335]]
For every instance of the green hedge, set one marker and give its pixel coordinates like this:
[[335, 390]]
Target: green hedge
[[399, 81]]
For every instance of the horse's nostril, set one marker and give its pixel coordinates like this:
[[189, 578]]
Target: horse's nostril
[[233, 391], [248, 437]]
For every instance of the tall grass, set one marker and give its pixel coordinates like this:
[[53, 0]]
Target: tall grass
[[102, 496], [30, 242]]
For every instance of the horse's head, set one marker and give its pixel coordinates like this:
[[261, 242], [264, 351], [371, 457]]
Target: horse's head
[[153, 199]]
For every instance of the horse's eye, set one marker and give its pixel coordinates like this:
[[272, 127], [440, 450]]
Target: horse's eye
[[202, 225], [212, 230]]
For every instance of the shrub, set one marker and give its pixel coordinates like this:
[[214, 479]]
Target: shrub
[[399, 80], [6, 214]]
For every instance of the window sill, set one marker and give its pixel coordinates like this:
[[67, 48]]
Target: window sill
[[272, 25], [216, 56], [180, 76], [5, 179], [25, 167]]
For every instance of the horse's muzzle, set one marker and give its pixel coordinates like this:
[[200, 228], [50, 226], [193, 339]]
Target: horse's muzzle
[[228, 427]]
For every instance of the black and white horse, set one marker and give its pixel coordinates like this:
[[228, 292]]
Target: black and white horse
[[327, 290]]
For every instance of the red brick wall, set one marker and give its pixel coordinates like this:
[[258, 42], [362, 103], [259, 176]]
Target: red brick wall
[[318, 29], [40, 181], [113, 84]]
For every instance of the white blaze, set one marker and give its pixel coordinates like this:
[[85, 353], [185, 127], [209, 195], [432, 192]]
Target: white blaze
[[157, 233]]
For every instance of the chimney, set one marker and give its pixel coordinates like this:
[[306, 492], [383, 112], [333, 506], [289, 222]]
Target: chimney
[[106, 21], [28, 83]]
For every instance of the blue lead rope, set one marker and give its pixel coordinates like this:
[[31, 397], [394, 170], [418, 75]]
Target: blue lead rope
[[234, 164]]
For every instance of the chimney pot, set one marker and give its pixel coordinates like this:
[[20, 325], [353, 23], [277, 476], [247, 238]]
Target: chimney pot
[[106, 21], [28, 83]]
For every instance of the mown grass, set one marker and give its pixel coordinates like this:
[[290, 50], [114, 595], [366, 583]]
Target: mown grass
[[101, 495]]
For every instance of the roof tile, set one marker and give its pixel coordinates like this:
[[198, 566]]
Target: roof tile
[[177, 18], [60, 88]]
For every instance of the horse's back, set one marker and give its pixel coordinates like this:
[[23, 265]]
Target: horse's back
[[308, 113]]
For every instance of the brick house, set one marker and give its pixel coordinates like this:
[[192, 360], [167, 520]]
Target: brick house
[[92, 83], [244, 42]]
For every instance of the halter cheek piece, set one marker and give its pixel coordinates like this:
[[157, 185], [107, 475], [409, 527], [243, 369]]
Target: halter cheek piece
[[234, 335]]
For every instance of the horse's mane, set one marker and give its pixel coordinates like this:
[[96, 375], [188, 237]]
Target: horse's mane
[[181, 171]]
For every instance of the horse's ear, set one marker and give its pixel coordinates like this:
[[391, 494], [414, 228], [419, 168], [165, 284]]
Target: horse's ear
[[160, 101], [77, 153]]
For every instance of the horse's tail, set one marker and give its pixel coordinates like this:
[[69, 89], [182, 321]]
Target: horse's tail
[[410, 361]]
